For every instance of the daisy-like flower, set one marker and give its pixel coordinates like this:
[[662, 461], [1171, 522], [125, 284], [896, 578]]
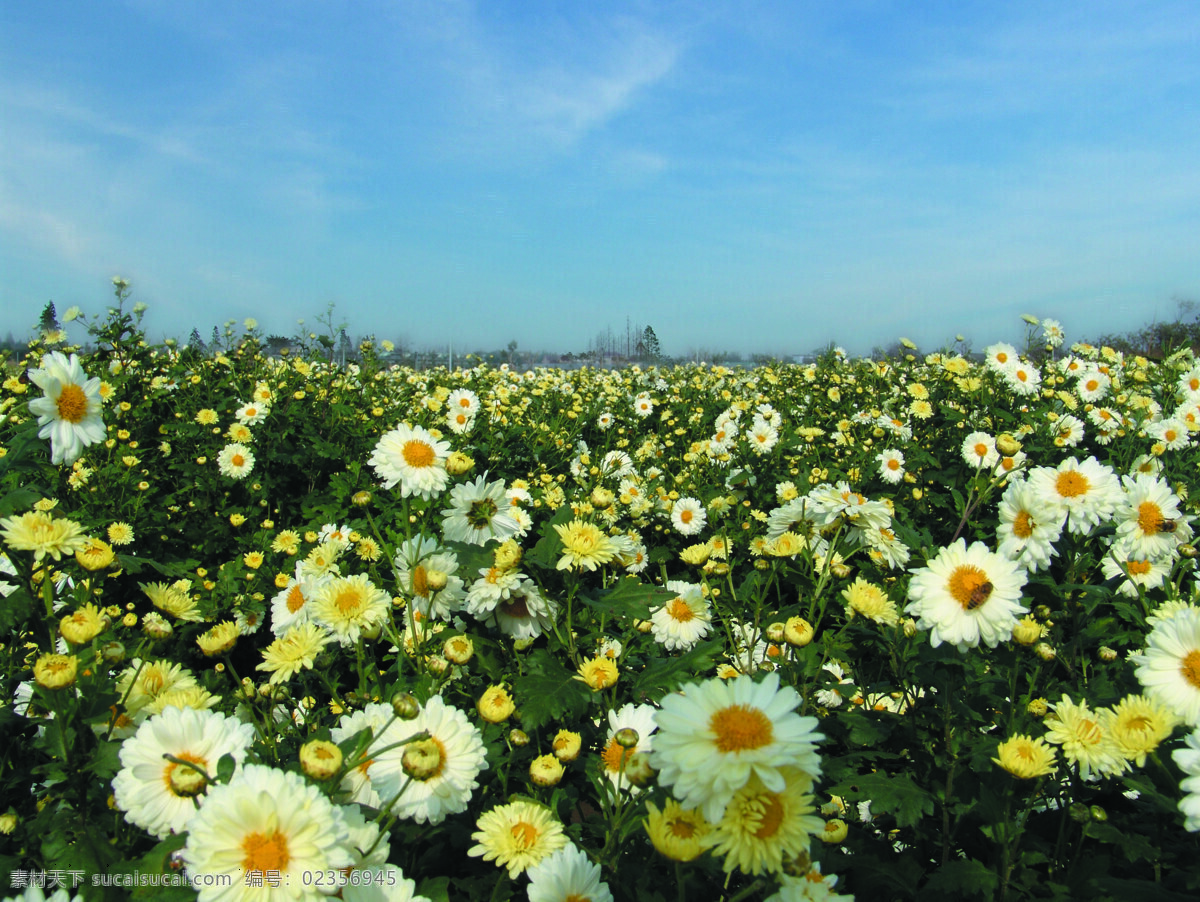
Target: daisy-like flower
[[525, 613], [1092, 386], [430, 778], [979, 451], [567, 874], [120, 533], [688, 516], [44, 535], [891, 466], [412, 457], [350, 607], [811, 887], [157, 793], [144, 681], [253, 413], [762, 828], [585, 546], [1028, 527], [1149, 523], [1086, 738], [762, 437], [643, 406], [1086, 491], [614, 756], [684, 620], [714, 736], [1171, 432], [1140, 725], [69, 410], [1023, 379], [295, 650], [870, 601], [517, 836], [266, 821], [1025, 757], [426, 574], [1169, 668], [478, 513], [676, 832], [1188, 761], [1134, 570], [965, 596], [1000, 357], [235, 461]]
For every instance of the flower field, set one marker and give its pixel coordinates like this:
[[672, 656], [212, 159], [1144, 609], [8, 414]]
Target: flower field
[[275, 628]]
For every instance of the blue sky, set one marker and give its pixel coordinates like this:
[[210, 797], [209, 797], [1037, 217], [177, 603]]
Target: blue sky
[[744, 176]]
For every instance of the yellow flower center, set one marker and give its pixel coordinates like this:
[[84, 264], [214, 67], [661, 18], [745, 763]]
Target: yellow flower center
[[680, 828], [524, 834], [1138, 568], [1002, 357], [614, 755], [741, 728], [679, 611], [72, 404], [237, 460], [1190, 667], [265, 853], [349, 601], [295, 599], [772, 816], [417, 453], [1150, 518], [420, 581], [1023, 525], [893, 464], [1071, 484], [685, 515], [970, 586], [981, 450]]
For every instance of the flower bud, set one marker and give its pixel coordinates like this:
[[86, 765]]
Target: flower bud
[[798, 632], [638, 770], [775, 631], [519, 738], [1045, 651], [405, 706], [835, 831], [1107, 654], [459, 649], [567, 745], [55, 671], [422, 759], [320, 759], [545, 770], [626, 737]]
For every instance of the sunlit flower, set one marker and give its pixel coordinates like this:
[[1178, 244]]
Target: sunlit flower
[[688, 516], [1169, 668], [1087, 491], [1026, 757], [684, 620], [870, 601], [517, 836], [269, 823], [1028, 527], [1188, 761], [69, 410], [965, 596], [1140, 725], [157, 793], [761, 828], [1086, 737], [979, 451], [43, 534], [891, 466], [1149, 522], [714, 735], [567, 875], [294, 651], [350, 607], [426, 573], [585, 546], [235, 461], [478, 513], [412, 457]]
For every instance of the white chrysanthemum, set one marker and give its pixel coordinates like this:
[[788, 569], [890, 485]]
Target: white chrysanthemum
[[567, 874], [290, 605], [684, 620], [411, 456], [157, 794], [1169, 668], [383, 883], [443, 768], [478, 513], [235, 461], [1188, 761], [688, 516], [1092, 386], [357, 785], [1171, 432], [69, 410], [713, 735], [426, 573], [1149, 523], [1000, 357], [266, 821], [1134, 570], [253, 413], [614, 756], [1028, 528], [524, 613], [965, 596], [979, 451], [1086, 491], [891, 465]]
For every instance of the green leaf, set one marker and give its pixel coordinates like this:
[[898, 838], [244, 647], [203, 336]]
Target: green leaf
[[548, 692], [663, 675], [436, 889], [963, 877], [630, 597], [896, 795], [549, 547]]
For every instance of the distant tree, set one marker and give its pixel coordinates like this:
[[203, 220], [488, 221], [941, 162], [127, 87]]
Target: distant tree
[[49, 320], [195, 341], [651, 349]]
